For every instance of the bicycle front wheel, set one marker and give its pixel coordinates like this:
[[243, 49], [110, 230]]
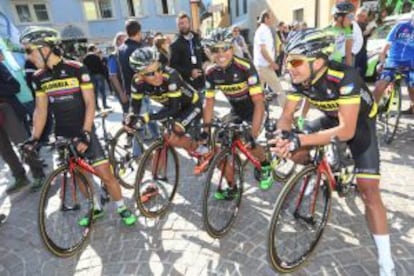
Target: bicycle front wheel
[[222, 193], [124, 154], [299, 218], [157, 179], [64, 200], [393, 113]]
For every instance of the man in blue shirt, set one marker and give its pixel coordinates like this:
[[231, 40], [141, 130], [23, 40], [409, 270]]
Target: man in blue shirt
[[400, 49], [120, 66]]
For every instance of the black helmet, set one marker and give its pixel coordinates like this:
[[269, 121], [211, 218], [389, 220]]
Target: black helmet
[[343, 8], [40, 36], [142, 57], [311, 43]]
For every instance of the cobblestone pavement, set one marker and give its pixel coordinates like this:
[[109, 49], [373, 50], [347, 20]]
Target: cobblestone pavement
[[177, 244]]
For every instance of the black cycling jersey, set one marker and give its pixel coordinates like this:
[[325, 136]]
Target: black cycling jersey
[[174, 94], [63, 86], [342, 85], [239, 82], [339, 85]]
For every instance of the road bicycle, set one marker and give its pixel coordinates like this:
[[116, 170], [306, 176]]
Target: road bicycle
[[302, 207], [226, 173], [389, 108], [66, 197], [159, 169]]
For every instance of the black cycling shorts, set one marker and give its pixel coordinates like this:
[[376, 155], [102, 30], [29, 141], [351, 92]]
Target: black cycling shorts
[[363, 146], [95, 153]]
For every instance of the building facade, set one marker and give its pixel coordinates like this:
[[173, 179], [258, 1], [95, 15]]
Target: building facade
[[96, 20]]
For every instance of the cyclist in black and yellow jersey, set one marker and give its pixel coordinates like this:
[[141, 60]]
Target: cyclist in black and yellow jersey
[[164, 85], [339, 92], [238, 80], [66, 87]]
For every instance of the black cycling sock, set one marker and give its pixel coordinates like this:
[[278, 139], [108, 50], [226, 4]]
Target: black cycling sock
[[265, 163]]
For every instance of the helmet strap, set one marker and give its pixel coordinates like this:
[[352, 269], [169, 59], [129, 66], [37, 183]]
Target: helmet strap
[[315, 74], [45, 58]]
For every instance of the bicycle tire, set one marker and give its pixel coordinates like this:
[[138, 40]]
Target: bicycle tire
[[123, 159], [393, 113], [51, 207], [210, 204], [280, 242], [145, 178]]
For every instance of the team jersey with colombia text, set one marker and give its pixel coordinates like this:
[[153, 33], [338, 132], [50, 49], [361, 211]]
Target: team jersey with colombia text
[[339, 85], [63, 86], [174, 94], [239, 82]]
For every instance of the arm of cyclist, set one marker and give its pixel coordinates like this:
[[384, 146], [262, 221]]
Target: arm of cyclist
[[171, 110], [39, 117], [258, 114], [88, 96], [280, 146]]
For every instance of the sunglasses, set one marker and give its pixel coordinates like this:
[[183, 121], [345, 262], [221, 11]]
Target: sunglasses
[[296, 62], [28, 51], [224, 48], [152, 73]]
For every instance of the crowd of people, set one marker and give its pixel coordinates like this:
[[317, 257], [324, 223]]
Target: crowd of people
[[183, 76]]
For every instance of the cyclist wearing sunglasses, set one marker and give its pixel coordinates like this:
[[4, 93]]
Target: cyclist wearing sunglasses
[[340, 93], [67, 88], [165, 86], [238, 80]]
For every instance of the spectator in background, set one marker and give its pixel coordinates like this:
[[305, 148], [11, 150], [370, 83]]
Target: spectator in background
[[362, 57], [342, 30], [239, 44], [97, 72], [281, 35], [187, 55], [162, 43], [264, 55], [303, 26], [104, 60], [12, 128], [115, 75], [133, 42]]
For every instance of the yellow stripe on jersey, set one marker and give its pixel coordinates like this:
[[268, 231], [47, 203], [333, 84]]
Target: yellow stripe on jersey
[[374, 110], [195, 98], [137, 96], [60, 84], [40, 93], [256, 89], [294, 97], [210, 93], [174, 94], [86, 86], [242, 62], [336, 74], [350, 100], [368, 176]]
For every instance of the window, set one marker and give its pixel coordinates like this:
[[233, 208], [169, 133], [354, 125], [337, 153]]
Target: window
[[167, 7], [97, 9], [135, 7], [41, 12], [31, 13], [237, 8], [298, 15], [244, 6]]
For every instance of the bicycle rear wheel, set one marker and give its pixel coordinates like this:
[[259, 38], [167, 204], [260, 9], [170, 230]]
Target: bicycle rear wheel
[[219, 213], [393, 113], [157, 179], [124, 154], [299, 218], [61, 206]]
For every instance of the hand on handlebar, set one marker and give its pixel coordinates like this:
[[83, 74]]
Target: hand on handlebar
[[284, 143]]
